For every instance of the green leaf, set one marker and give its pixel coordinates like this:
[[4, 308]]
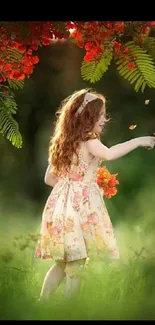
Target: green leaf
[[8, 125], [143, 73], [93, 71], [14, 54], [16, 84]]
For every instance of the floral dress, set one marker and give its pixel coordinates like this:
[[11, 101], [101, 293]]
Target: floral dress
[[75, 222]]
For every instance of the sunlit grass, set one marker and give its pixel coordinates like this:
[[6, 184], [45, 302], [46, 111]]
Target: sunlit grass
[[124, 290]]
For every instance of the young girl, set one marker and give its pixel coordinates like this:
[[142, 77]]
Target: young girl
[[75, 220]]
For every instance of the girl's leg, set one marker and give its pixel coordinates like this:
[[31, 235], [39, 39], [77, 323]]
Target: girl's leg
[[53, 279], [73, 277]]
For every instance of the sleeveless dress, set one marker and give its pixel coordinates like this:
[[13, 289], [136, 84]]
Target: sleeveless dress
[[75, 222]]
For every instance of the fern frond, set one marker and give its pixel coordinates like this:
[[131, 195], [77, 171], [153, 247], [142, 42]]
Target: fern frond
[[14, 54], [93, 71], [143, 73], [16, 84], [8, 125]]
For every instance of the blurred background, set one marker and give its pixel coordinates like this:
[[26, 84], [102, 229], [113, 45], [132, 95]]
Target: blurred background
[[56, 76]]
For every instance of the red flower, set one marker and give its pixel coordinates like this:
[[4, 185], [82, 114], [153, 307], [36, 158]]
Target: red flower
[[113, 181], [45, 41], [89, 56], [126, 50], [88, 46], [20, 47], [27, 61], [110, 192], [107, 182], [77, 35], [117, 46], [28, 70], [35, 59], [8, 67], [12, 45], [145, 30], [120, 27], [18, 75], [29, 52], [131, 66], [5, 42], [46, 34], [70, 25]]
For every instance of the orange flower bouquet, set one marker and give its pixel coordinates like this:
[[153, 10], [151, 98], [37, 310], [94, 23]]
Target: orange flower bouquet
[[107, 182]]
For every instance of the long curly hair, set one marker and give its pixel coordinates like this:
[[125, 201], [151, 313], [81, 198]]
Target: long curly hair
[[71, 130]]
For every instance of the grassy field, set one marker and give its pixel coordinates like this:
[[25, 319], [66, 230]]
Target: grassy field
[[124, 290]]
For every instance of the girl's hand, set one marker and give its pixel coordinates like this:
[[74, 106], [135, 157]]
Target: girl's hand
[[147, 142]]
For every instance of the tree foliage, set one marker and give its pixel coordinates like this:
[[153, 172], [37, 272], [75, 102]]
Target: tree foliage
[[127, 44]]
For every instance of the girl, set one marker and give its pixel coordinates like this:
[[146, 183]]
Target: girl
[[75, 221]]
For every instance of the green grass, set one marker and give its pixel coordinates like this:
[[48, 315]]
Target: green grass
[[124, 290]]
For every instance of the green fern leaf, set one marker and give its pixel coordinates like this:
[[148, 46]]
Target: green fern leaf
[[143, 73], [93, 71], [14, 54], [8, 125], [16, 84], [9, 128]]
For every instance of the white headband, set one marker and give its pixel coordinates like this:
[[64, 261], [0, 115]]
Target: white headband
[[87, 98]]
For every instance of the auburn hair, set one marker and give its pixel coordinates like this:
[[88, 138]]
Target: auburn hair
[[70, 129]]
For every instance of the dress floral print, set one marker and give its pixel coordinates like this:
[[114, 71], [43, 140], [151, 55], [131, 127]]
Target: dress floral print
[[75, 221]]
